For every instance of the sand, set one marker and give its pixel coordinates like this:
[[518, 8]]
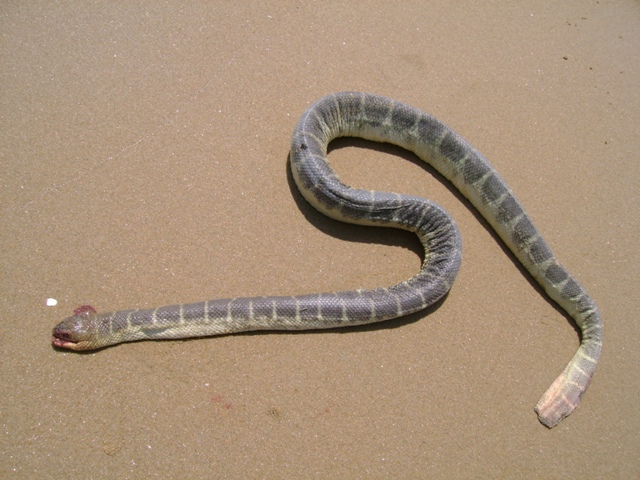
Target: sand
[[144, 162]]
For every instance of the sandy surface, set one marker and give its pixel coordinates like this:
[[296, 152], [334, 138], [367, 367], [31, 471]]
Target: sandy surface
[[144, 162]]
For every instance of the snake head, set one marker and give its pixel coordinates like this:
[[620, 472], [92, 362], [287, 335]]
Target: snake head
[[77, 332]]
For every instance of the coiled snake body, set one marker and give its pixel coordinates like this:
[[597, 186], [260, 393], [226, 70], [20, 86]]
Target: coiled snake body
[[380, 119]]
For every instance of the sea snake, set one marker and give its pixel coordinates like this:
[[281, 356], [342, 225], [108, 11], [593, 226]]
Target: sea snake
[[373, 117]]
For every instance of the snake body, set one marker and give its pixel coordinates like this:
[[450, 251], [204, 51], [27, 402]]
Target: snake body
[[376, 118]]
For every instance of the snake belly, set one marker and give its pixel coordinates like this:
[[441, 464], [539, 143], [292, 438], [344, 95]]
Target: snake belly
[[376, 118]]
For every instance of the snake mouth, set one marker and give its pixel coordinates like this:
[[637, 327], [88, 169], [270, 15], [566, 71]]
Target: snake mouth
[[62, 342]]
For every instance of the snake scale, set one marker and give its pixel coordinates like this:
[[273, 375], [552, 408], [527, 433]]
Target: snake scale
[[372, 117]]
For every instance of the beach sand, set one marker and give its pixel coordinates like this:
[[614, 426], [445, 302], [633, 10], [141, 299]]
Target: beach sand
[[144, 163]]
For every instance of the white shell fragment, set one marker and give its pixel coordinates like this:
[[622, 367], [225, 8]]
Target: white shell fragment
[[51, 302]]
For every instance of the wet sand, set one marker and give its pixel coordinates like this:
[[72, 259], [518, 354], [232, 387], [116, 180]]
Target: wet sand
[[144, 162]]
